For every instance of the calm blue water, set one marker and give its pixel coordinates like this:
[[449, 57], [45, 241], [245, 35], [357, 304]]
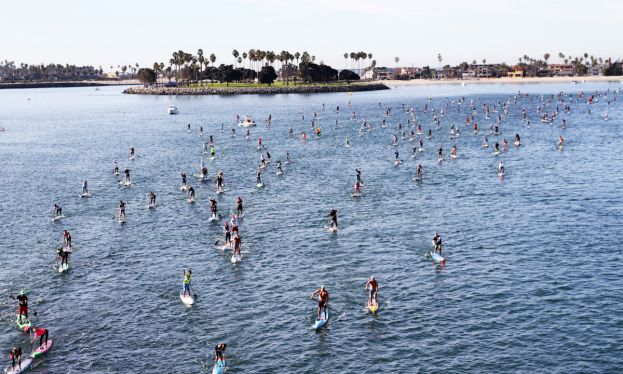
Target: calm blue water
[[532, 282]]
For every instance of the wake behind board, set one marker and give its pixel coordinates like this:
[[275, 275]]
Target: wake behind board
[[321, 322], [219, 367], [26, 363], [42, 349], [24, 324], [187, 300]]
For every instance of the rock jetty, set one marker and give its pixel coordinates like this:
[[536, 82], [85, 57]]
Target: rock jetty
[[260, 90]]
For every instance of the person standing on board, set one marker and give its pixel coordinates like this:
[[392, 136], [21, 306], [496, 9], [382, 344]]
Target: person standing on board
[[239, 206], [188, 275], [22, 308], [437, 242], [85, 186], [40, 333], [323, 300], [373, 285], [67, 239], [333, 219], [16, 355], [219, 352]]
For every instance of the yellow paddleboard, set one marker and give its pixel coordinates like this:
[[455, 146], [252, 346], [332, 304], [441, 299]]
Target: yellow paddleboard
[[373, 306]]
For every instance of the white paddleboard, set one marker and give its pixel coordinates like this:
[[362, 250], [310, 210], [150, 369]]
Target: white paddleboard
[[187, 300], [86, 194], [125, 183], [63, 268], [58, 218], [259, 185], [26, 363], [236, 258]]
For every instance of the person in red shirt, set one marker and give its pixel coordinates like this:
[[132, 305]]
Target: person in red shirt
[[41, 333]]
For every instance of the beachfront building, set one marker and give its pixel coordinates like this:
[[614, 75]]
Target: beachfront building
[[378, 73], [408, 72], [468, 74], [517, 72], [561, 70], [596, 70]]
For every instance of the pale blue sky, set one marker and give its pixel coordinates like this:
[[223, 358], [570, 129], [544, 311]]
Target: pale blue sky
[[120, 32]]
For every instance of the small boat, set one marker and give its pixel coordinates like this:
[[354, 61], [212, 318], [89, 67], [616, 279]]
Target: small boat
[[248, 122], [173, 109], [321, 322]]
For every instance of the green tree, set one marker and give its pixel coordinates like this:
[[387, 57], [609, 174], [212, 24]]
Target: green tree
[[146, 76], [235, 54], [348, 76], [267, 75]]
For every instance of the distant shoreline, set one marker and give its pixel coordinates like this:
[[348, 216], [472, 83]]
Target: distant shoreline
[[504, 80], [259, 90], [17, 85]]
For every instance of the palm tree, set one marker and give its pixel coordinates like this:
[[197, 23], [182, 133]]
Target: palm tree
[[201, 60], [396, 59], [244, 57], [352, 58], [484, 61], [235, 54], [345, 60]]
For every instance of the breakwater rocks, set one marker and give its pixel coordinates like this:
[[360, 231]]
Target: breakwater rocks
[[260, 90]]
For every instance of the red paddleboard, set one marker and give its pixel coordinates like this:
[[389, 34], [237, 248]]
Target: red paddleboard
[[42, 349]]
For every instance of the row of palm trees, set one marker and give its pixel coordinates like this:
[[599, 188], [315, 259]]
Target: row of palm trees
[[256, 59], [355, 57]]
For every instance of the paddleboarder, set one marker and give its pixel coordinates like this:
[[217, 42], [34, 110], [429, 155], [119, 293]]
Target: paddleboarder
[[373, 285], [323, 300]]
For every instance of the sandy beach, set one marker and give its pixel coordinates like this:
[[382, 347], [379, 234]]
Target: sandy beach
[[505, 80]]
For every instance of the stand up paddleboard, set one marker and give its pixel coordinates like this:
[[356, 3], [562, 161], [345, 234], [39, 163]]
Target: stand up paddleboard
[[187, 300], [279, 173], [42, 349], [125, 183], [19, 369], [23, 325], [86, 194], [321, 322], [58, 218], [63, 268], [259, 185], [356, 194], [437, 257], [236, 259], [219, 367], [116, 173], [150, 206], [373, 306]]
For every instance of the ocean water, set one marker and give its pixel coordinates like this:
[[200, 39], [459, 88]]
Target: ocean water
[[532, 280]]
